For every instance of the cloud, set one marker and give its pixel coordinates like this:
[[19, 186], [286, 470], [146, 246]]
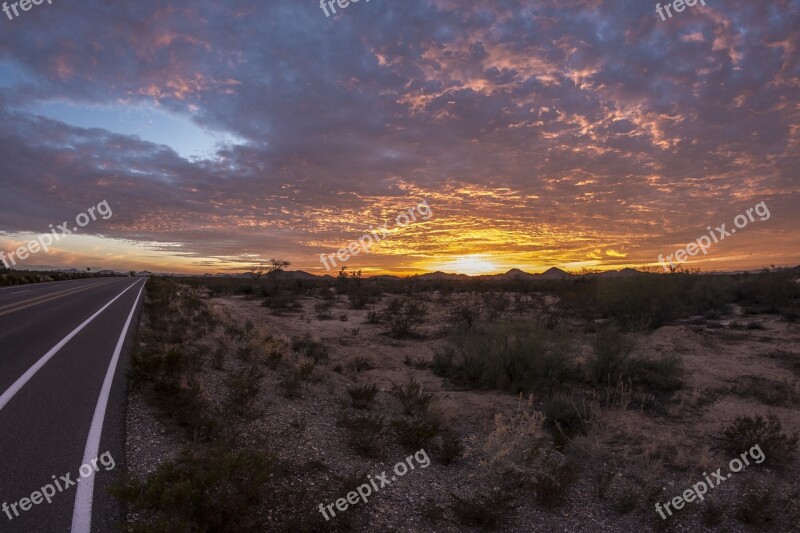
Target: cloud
[[545, 130]]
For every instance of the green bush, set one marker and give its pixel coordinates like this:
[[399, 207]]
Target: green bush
[[566, 418], [413, 397], [747, 431], [402, 316], [207, 490], [311, 348], [612, 351], [514, 356], [415, 433]]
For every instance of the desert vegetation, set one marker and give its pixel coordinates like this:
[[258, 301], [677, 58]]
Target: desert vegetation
[[10, 277], [575, 403]]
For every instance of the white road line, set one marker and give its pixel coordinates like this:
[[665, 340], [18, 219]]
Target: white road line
[[20, 292], [15, 388], [82, 513]]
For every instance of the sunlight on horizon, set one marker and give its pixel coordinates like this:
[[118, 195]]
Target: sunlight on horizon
[[471, 265]]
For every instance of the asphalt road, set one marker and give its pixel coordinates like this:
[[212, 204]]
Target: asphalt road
[[64, 348]]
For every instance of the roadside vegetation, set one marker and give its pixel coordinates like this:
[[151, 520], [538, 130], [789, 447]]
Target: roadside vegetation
[[9, 277], [535, 399]]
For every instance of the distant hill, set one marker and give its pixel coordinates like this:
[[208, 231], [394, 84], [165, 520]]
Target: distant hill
[[441, 276], [624, 273], [516, 273], [555, 273]]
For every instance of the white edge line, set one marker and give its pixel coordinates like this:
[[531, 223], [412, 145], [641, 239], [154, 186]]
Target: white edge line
[[23, 380], [82, 513]]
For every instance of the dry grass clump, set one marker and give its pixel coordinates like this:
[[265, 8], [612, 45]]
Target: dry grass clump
[[361, 396], [518, 454]]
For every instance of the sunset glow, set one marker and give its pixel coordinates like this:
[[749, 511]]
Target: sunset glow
[[472, 265]]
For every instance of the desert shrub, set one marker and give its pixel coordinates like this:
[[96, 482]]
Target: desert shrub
[[516, 455], [463, 316], [601, 482], [323, 310], [490, 510], [450, 447], [660, 375], [373, 317], [282, 301], [649, 301], [205, 490], [755, 508], [413, 397], [494, 305], [768, 292], [566, 418], [514, 449], [291, 384], [415, 433], [515, 356], [176, 392], [402, 316], [765, 390], [311, 348], [243, 388], [305, 369], [265, 348], [789, 360], [551, 486], [274, 358], [639, 302], [611, 353], [746, 431], [361, 396], [443, 359], [364, 434], [358, 363]]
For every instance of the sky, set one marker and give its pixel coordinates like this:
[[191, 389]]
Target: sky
[[541, 133]]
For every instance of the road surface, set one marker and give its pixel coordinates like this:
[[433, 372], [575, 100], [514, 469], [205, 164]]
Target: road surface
[[64, 348]]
